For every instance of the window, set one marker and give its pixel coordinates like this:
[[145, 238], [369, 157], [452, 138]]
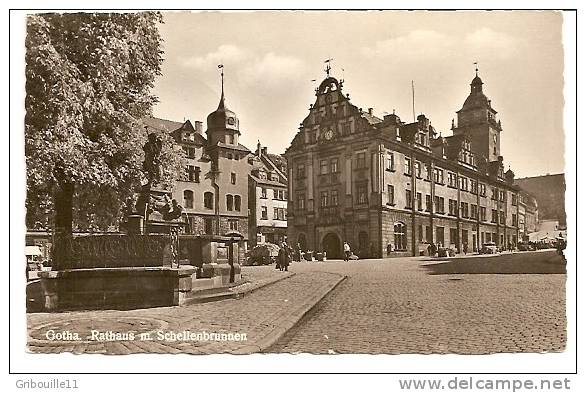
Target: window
[[420, 233], [438, 175], [502, 195], [208, 226], [229, 202], [474, 211], [301, 201], [407, 169], [418, 169], [275, 213], [473, 186], [439, 205], [494, 193], [263, 193], [428, 203], [361, 160], [452, 207], [237, 202], [482, 213], [408, 201], [233, 224], [231, 139], [514, 199], [264, 215], [301, 171], [361, 193], [426, 172], [323, 167], [233, 178], [514, 220], [334, 197], [192, 173], [345, 128], [390, 161], [452, 180], [208, 200], [334, 165], [323, 198], [390, 195], [281, 214], [482, 189], [463, 183], [464, 209], [188, 199], [419, 201], [400, 230], [502, 217], [189, 151], [494, 216]]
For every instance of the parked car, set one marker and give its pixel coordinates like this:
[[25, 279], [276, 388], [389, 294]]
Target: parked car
[[489, 248], [523, 246], [262, 254]]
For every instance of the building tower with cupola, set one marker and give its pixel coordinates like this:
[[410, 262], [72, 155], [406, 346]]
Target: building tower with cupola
[[478, 119]]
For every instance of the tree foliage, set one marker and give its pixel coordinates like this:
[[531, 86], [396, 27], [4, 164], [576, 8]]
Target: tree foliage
[[89, 78]]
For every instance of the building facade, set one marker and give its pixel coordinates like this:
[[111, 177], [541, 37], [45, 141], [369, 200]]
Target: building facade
[[214, 189], [390, 188], [267, 198], [550, 193]]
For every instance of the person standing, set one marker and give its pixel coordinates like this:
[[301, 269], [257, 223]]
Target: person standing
[[347, 252]]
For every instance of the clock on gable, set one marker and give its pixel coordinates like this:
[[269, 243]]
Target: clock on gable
[[329, 134]]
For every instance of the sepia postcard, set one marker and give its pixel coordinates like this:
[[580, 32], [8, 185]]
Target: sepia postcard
[[294, 182]]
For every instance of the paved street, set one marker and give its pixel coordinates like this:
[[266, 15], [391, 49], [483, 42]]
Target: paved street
[[383, 306], [394, 306]]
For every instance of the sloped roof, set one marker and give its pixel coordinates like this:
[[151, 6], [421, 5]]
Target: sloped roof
[[371, 118], [162, 124]]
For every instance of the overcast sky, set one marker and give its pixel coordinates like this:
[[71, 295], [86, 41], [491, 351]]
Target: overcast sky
[[270, 59]]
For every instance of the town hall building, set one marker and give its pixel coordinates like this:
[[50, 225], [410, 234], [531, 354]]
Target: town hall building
[[390, 188]]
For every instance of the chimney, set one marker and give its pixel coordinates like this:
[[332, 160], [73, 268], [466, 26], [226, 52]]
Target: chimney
[[264, 150], [258, 149], [370, 111], [198, 127]]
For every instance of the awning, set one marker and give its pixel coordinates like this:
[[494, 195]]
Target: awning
[[32, 251]]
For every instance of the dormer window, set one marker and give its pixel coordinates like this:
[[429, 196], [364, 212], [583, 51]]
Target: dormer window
[[187, 137]]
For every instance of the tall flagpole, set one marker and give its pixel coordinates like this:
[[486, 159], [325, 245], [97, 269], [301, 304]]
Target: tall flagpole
[[413, 99]]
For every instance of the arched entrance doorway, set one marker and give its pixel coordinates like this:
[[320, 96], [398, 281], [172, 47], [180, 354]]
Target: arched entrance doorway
[[332, 246], [302, 242]]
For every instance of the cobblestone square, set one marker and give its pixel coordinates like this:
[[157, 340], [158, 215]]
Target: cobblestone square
[[391, 306]]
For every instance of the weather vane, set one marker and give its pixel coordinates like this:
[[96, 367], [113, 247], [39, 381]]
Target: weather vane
[[328, 67]]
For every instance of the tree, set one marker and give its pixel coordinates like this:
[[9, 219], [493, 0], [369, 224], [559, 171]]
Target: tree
[[88, 85]]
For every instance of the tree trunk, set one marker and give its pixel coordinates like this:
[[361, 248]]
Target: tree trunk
[[63, 225]]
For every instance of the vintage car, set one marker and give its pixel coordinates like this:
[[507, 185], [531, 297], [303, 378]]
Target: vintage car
[[262, 254], [525, 246], [489, 248]]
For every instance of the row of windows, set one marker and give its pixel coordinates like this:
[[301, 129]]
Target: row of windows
[[422, 171], [209, 225], [193, 174], [233, 202], [279, 213], [280, 195]]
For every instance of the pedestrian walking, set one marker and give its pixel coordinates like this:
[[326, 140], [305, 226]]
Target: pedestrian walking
[[283, 258], [465, 248], [347, 252]]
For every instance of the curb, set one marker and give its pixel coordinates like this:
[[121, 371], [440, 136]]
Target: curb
[[285, 324], [236, 293]]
